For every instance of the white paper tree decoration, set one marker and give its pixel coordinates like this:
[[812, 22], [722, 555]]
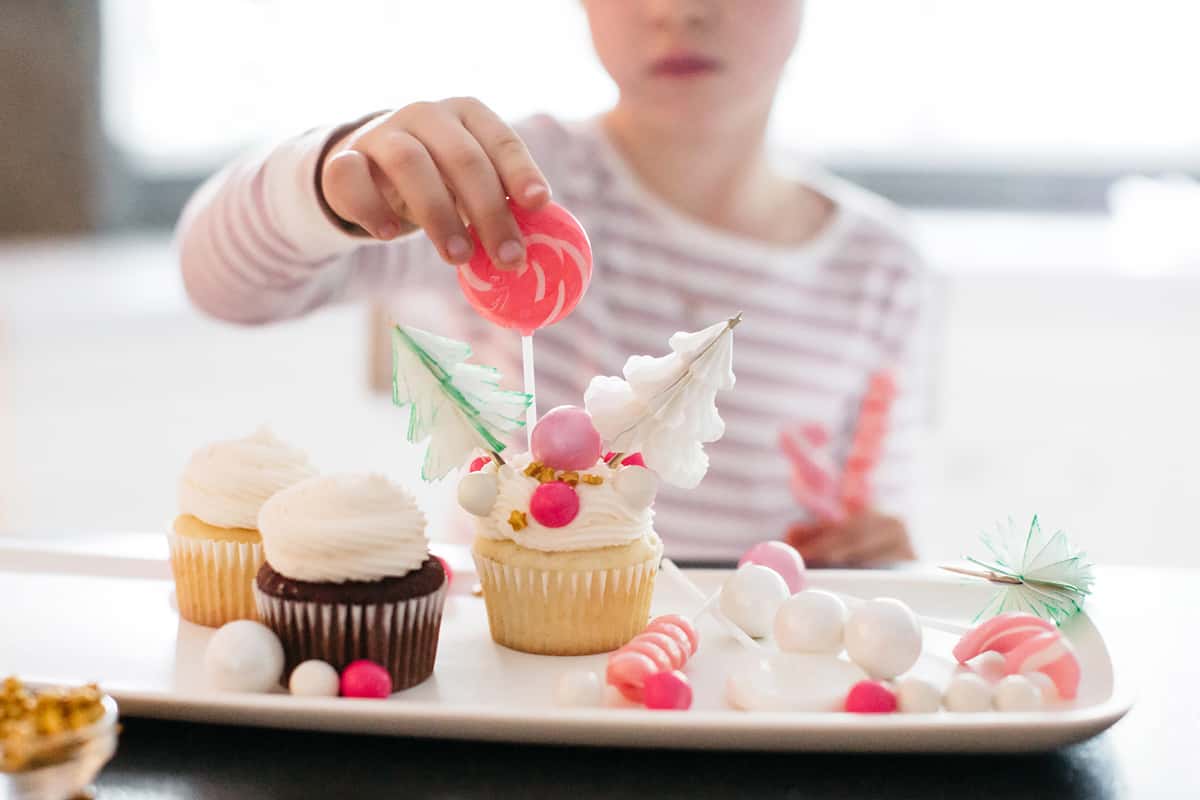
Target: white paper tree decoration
[[666, 407]]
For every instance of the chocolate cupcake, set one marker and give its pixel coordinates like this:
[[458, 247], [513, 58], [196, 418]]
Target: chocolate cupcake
[[348, 575]]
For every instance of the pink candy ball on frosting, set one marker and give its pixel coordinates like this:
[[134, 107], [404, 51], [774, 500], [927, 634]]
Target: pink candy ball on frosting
[[566, 439], [365, 678], [480, 463], [780, 557], [667, 691], [554, 504], [870, 697]]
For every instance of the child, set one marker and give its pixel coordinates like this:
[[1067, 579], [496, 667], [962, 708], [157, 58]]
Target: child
[[688, 223]]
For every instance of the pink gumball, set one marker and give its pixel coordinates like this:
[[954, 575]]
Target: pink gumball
[[565, 438], [365, 678], [782, 558], [554, 504], [667, 691], [557, 271], [870, 697], [480, 463]]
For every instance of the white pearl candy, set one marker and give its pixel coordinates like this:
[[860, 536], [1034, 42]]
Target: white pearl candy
[[917, 696], [244, 656], [991, 666], [579, 689], [811, 621], [883, 637], [967, 692], [1017, 693], [1043, 682], [314, 678], [751, 597], [637, 485], [477, 492]]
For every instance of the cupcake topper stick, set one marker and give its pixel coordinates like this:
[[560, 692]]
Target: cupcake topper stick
[[457, 406], [1036, 573]]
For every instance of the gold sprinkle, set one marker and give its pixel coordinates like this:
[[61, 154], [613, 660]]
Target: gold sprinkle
[[518, 520], [534, 468], [569, 478], [546, 475], [591, 480]]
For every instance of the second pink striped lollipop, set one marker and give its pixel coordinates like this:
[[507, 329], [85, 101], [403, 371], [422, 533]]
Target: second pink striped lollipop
[[664, 646]]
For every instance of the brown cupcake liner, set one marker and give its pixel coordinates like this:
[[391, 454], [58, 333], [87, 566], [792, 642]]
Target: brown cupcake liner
[[214, 579], [566, 612], [402, 636]]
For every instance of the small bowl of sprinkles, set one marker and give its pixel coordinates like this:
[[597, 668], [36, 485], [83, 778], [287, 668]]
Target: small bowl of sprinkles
[[53, 740]]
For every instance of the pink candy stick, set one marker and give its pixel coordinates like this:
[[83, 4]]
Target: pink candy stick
[[665, 645], [867, 443], [1001, 634], [1053, 656], [814, 481]]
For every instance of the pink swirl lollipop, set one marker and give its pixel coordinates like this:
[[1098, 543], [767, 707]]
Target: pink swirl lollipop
[[665, 645], [1053, 656], [558, 268], [1000, 634]]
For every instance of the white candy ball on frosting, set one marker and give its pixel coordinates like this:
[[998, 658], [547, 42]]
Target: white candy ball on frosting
[[811, 621], [967, 692], [477, 492], [751, 597], [244, 656], [1016, 693], [917, 696], [883, 637], [636, 485], [579, 689], [314, 678]]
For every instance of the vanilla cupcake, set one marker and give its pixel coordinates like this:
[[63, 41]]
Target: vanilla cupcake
[[567, 557], [216, 548], [348, 575]]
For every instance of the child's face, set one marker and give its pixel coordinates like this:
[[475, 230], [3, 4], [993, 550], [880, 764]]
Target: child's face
[[699, 62]]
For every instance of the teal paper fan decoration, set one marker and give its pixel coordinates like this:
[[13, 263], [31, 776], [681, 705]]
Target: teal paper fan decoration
[[459, 407], [1035, 573]]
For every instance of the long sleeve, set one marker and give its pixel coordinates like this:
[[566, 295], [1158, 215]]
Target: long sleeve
[[256, 246]]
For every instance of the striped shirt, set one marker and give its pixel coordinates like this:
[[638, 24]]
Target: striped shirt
[[820, 318]]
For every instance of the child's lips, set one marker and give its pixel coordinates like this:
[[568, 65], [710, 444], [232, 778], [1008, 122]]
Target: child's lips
[[684, 65]]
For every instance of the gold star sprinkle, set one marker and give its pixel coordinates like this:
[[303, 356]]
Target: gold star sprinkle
[[518, 520], [591, 480]]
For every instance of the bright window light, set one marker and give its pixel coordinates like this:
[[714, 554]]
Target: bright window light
[[1089, 83]]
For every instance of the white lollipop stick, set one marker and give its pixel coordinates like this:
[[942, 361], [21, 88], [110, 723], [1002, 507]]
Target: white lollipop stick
[[933, 623], [527, 366], [709, 605]]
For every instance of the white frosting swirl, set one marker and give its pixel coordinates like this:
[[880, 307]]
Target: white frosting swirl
[[605, 518], [337, 528], [226, 483]]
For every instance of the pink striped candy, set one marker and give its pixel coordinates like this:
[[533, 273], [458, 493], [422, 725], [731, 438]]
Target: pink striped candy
[[557, 271], [1000, 634], [1050, 654], [664, 646]]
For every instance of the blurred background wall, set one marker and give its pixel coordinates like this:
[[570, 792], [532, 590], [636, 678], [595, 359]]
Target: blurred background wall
[[1046, 154]]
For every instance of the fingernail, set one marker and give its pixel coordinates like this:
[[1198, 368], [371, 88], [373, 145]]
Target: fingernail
[[458, 248], [536, 191], [510, 252], [387, 231]]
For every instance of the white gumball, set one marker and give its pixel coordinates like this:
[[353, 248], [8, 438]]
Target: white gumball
[[811, 621], [991, 666], [477, 492], [917, 696], [636, 485], [314, 678], [244, 656], [967, 692], [1016, 693], [1047, 686], [883, 637], [579, 689], [750, 598]]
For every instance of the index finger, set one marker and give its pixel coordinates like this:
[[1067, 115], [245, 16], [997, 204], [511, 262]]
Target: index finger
[[518, 172]]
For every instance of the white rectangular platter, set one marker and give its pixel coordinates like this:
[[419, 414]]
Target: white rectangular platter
[[112, 620]]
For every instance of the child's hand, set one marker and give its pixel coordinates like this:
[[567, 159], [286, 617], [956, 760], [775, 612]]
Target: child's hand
[[860, 540], [428, 165]]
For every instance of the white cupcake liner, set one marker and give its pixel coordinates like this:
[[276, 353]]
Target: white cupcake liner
[[214, 579], [400, 636], [566, 612]]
